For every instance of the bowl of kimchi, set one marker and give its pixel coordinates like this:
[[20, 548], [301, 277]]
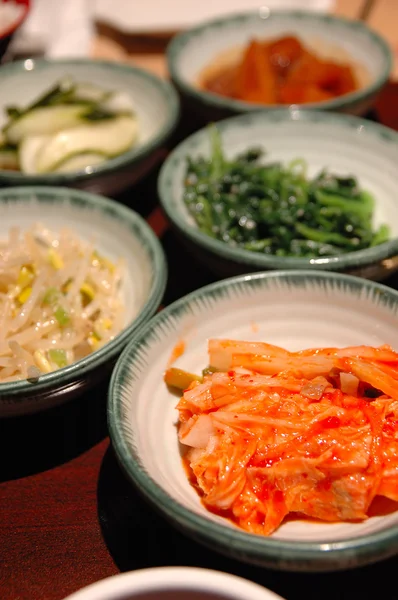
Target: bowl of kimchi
[[259, 414], [268, 59]]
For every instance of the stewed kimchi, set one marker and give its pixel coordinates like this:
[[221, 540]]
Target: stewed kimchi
[[281, 71]]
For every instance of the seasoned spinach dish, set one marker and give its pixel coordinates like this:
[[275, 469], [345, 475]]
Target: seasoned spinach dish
[[278, 209]]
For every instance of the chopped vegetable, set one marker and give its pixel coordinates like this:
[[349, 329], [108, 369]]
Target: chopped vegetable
[[73, 126], [108, 138], [279, 71], [51, 296], [58, 357], [9, 158], [62, 316], [180, 379], [274, 433], [278, 210]]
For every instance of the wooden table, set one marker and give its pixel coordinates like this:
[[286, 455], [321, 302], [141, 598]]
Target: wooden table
[[68, 516]]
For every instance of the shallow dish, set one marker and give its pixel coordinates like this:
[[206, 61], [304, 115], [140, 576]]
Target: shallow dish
[[174, 583], [154, 100], [194, 50], [344, 144], [119, 231], [293, 310]]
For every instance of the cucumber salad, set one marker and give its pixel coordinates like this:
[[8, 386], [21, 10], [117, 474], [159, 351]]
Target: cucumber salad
[[72, 126]]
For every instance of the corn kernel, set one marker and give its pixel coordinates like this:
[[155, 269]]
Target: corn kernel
[[55, 259]]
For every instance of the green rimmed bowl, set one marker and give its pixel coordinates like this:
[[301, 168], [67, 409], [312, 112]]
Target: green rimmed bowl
[[119, 232], [154, 100], [295, 310], [332, 37], [344, 144]]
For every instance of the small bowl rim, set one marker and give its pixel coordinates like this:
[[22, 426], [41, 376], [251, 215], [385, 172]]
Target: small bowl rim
[[180, 40], [251, 548], [128, 158], [257, 260], [82, 367], [177, 578]]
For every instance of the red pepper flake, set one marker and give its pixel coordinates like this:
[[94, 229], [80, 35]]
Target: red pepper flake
[[330, 423], [177, 351], [325, 485], [231, 374], [390, 427]]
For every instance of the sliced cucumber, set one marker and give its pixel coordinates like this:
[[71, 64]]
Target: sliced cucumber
[[80, 162], [117, 102], [28, 151], [109, 138], [13, 112], [9, 158], [43, 121], [61, 91], [88, 92]]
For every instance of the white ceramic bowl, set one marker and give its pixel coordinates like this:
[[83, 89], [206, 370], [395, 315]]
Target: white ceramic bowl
[[174, 583], [118, 232], [193, 50], [154, 100], [293, 310], [343, 144]]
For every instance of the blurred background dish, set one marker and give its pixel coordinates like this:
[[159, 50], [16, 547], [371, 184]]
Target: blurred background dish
[[153, 102], [13, 13], [177, 583], [181, 14], [218, 44], [116, 232], [342, 145], [293, 310]]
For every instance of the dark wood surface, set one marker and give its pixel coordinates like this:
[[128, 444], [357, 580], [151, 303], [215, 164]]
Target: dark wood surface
[[69, 517]]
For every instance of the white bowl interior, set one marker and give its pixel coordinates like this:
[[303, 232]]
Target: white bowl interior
[[342, 146], [22, 87], [292, 316], [329, 38], [111, 237]]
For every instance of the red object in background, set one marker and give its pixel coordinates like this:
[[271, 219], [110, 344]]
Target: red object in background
[[7, 35]]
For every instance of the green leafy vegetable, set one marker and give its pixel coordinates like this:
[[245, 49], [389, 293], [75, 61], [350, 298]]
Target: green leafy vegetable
[[276, 209]]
